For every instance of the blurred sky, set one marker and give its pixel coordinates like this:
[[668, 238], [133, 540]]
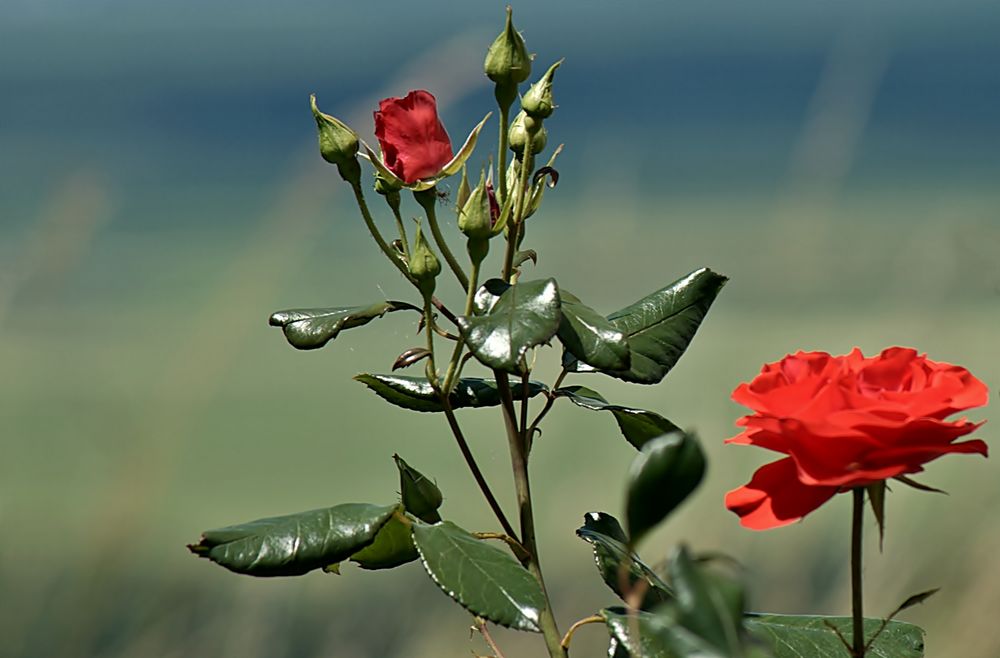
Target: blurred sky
[[161, 195]]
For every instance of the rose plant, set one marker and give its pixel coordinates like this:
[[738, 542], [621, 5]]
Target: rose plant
[[845, 423]]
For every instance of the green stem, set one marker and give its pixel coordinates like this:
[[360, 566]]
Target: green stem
[[470, 461], [857, 614], [470, 297], [428, 200], [519, 462], [502, 155], [359, 196], [429, 330], [517, 219], [548, 405], [393, 200]]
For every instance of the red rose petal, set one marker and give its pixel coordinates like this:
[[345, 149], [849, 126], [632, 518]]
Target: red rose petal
[[414, 143], [774, 497]]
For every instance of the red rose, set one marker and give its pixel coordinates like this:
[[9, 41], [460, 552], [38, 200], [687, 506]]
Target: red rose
[[844, 422], [414, 143]]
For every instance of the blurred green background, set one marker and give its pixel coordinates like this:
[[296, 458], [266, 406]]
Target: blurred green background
[[162, 195]]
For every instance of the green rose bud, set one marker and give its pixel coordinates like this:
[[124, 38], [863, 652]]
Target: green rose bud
[[507, 63], [421, 497], [475, 219], [424, 265], [338, 144], [538, 102], [523, 129]]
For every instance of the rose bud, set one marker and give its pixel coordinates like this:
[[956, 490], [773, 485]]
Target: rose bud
[[507, 63], [421, 497], [538, 102], [424, 266], [475, 219], [523, 129], [338, 144]]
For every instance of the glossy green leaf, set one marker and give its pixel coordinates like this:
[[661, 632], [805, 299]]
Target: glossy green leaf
[[659, 327], [605, 534], [421, 497], [393, 546], [488, 295], [589, 337], [708, 605], [811, 637], [525, 315], [661, 476], [484, 579], [294, 544], [638, 426], [312, 328], [652, 635], [417, 394]]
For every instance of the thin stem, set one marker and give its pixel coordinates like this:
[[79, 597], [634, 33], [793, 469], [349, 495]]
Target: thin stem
[[502, 155], [470, 461], [481, 627], [548, 404], [517, 220], [428, 200], [858, 618], [359, 196], [593, 619], [470, 297], [431, 368], [393, 200], [519, 462]]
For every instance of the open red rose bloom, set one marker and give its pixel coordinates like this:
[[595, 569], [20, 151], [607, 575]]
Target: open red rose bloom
[[844, 422], [414, 143]]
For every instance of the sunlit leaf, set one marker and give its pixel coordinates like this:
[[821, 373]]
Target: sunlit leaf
[[794, 636], [294, 544], [638, 426], [417, 394], [659, 327], [484, 579], [611, 554], [592, 339], [312, 328], [525, 315]]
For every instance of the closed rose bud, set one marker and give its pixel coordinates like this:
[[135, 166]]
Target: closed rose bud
[[524, 128], [476, 218], [424, 266], [507, 63], [338, 144], [538, 102], [421, 497]]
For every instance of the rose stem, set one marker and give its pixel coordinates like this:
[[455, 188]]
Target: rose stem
[[359, 196], [502, 154], [857, 523], [427, 200]]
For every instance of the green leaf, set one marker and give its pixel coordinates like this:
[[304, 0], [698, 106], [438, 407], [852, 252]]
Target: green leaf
[[525, 315], [876, 496], [661, 476], [811, 637], [417, 394], [605, 534], [708, 605], [652, 635], [484, 579], [294, 544], [659, 327], [312, 328], [421, 497], [638, 426], [589, 337], [393, 546]]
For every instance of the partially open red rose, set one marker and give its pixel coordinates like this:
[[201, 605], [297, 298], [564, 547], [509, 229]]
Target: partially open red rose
[[414, 143], [844, 422]]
